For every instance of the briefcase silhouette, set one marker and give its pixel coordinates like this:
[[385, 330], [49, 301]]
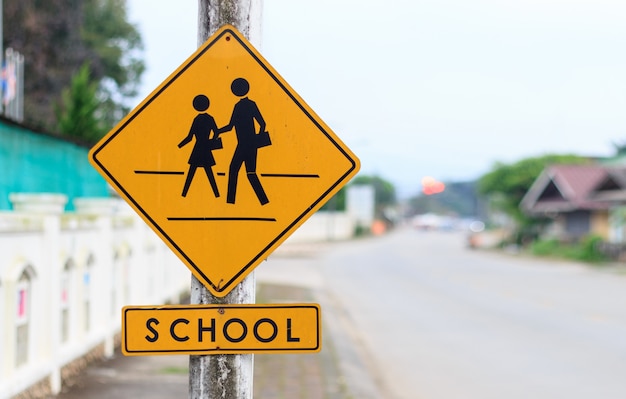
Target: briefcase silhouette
[[263, 139], [215, 143]]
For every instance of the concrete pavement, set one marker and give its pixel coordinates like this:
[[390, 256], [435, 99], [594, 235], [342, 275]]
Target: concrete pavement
[[339, 371]]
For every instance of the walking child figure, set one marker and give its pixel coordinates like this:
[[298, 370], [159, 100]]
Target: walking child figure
[[201, 155]]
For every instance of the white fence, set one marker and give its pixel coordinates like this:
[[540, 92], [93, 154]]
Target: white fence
[[63, 280], [325, 226]]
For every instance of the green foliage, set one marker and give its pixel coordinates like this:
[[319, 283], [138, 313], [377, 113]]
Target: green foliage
[[589, 250], [108, 33], [77, 115], [384, 191], [545, 247], [506, 184], [118, 64], [459, 198], [174, 370], [620, 147], [586, 250], [337, 202], [384, 194], [361, 231], [56, 37]]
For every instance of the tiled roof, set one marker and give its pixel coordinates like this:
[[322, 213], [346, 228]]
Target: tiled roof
[[612, 187], [574, 186]]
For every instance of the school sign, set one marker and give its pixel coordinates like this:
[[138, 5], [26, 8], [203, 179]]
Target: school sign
[[224, 160], [223, 329]]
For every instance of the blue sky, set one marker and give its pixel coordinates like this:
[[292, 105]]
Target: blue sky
[[442, 88]]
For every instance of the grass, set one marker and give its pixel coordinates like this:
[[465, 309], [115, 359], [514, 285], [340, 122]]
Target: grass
[[174, 370], [586, 250]]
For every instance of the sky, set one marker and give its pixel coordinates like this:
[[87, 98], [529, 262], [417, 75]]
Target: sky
[[441, 88]]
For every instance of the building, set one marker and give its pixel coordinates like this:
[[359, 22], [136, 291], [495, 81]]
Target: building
[[580, 200]]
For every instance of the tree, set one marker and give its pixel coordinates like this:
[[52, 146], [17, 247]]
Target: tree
[[384, 191], [78, 114], [384, 194], [118, 64], [56, 37], [458, 198], [47, 34], [507, 184], [620, 148]]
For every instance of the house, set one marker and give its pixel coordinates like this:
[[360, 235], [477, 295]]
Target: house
[[580, 200], [612, 190]]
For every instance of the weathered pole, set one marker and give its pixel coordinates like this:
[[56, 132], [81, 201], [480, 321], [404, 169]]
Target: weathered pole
[[225, 376]]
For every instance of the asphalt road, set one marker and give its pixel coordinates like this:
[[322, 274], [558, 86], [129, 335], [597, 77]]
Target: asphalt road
[[417, 315], [438, 320]]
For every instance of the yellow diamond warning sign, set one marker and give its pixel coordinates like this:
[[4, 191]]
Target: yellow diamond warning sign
[[224, 160]]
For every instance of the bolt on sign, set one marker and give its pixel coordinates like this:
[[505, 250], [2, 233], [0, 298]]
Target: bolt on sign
[[221, 329], [224, 160]]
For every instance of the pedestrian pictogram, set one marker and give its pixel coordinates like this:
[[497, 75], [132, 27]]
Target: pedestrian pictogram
[[245, 113], [224, 160], [201, 156]]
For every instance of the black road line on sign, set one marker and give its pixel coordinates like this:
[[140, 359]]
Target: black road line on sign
[[315, 176], [294, 175], [158, 172], [219, 219]]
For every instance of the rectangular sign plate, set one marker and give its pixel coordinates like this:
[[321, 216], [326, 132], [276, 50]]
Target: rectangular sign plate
[[221, 329]]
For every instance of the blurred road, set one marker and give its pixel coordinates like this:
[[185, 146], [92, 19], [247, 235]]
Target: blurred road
[[417, 315], [441, 321]]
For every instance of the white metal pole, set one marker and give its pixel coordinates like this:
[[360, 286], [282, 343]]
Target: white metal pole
[[224, 376]]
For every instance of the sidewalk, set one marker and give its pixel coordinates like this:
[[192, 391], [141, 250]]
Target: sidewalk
[[306, 376], [293, 274]]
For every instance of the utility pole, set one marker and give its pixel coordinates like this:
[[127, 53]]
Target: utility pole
[[225, 376]]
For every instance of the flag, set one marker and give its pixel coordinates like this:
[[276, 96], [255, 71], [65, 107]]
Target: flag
[[9, 82], [21, 303]]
